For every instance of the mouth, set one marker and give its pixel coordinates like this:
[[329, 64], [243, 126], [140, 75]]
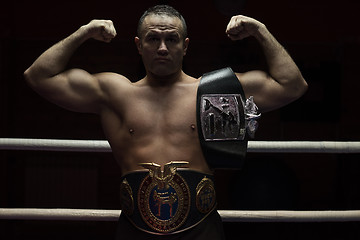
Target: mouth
[[161, 59]]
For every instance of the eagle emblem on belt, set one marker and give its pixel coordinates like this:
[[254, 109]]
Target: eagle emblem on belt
[[164, 197]]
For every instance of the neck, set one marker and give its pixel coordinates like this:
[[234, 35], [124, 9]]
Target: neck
[[164, 81]]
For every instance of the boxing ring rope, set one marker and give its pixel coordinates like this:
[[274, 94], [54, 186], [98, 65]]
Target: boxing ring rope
[[253, 146], [226, 215]]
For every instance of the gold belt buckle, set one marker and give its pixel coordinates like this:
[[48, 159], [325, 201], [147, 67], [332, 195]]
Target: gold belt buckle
[[164, 197]]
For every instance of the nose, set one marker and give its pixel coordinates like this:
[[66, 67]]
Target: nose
[[163, 50]]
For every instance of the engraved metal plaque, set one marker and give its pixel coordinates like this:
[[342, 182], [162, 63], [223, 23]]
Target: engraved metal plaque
[[222, 117]]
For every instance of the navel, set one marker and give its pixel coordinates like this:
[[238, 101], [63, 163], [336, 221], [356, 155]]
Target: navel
[[192, 126]]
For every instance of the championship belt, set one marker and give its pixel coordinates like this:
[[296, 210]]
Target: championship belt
[[222, 119], [168, 201]]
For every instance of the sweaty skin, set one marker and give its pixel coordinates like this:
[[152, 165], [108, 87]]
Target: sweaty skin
[[154, 119]]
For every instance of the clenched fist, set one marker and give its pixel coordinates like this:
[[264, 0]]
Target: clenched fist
[[102, 30], [241, 27]]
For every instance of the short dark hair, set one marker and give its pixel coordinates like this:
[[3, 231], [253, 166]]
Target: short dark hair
[[163, 10]]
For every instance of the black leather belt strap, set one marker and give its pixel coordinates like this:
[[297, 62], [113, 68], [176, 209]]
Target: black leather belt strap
[[221, 119]]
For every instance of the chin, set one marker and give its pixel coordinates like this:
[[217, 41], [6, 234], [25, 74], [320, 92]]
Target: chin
[[164, 72]]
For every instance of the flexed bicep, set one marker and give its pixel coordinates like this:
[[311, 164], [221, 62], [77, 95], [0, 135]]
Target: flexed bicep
[[267, 92], [74, 89], [283, 81]]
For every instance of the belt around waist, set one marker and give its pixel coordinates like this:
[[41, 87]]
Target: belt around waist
[[168, 205]]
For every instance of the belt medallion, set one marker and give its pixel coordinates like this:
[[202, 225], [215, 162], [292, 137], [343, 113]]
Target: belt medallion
[[164, 197]]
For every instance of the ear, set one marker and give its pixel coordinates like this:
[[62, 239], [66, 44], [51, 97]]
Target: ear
[[138, 44], [186, 44]]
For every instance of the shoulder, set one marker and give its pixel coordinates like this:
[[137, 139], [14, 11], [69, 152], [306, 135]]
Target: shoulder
[[110, 80], [115, 87], [110, 77]]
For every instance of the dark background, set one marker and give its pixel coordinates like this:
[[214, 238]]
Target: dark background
[[323, 38]]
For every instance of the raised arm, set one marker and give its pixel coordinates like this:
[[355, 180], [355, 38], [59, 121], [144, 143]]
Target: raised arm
[[74, 89], [283, 83]]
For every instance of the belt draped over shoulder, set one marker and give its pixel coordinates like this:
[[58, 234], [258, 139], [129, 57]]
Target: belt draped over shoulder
[[221, 119]]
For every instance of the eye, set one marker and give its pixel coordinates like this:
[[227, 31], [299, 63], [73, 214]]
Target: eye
[[172, 39], [153, 39]]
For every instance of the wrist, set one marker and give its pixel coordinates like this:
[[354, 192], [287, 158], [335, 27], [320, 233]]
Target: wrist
[[83, 33], [262, 33]]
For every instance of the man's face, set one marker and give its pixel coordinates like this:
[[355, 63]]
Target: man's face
[[161, 45]]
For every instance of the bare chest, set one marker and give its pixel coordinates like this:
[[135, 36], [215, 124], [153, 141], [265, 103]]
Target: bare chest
[[155, 126], [162, 113]]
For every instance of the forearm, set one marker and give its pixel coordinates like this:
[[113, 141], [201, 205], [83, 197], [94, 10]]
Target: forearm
[[281, 66], [283, 82], [54, 60]]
